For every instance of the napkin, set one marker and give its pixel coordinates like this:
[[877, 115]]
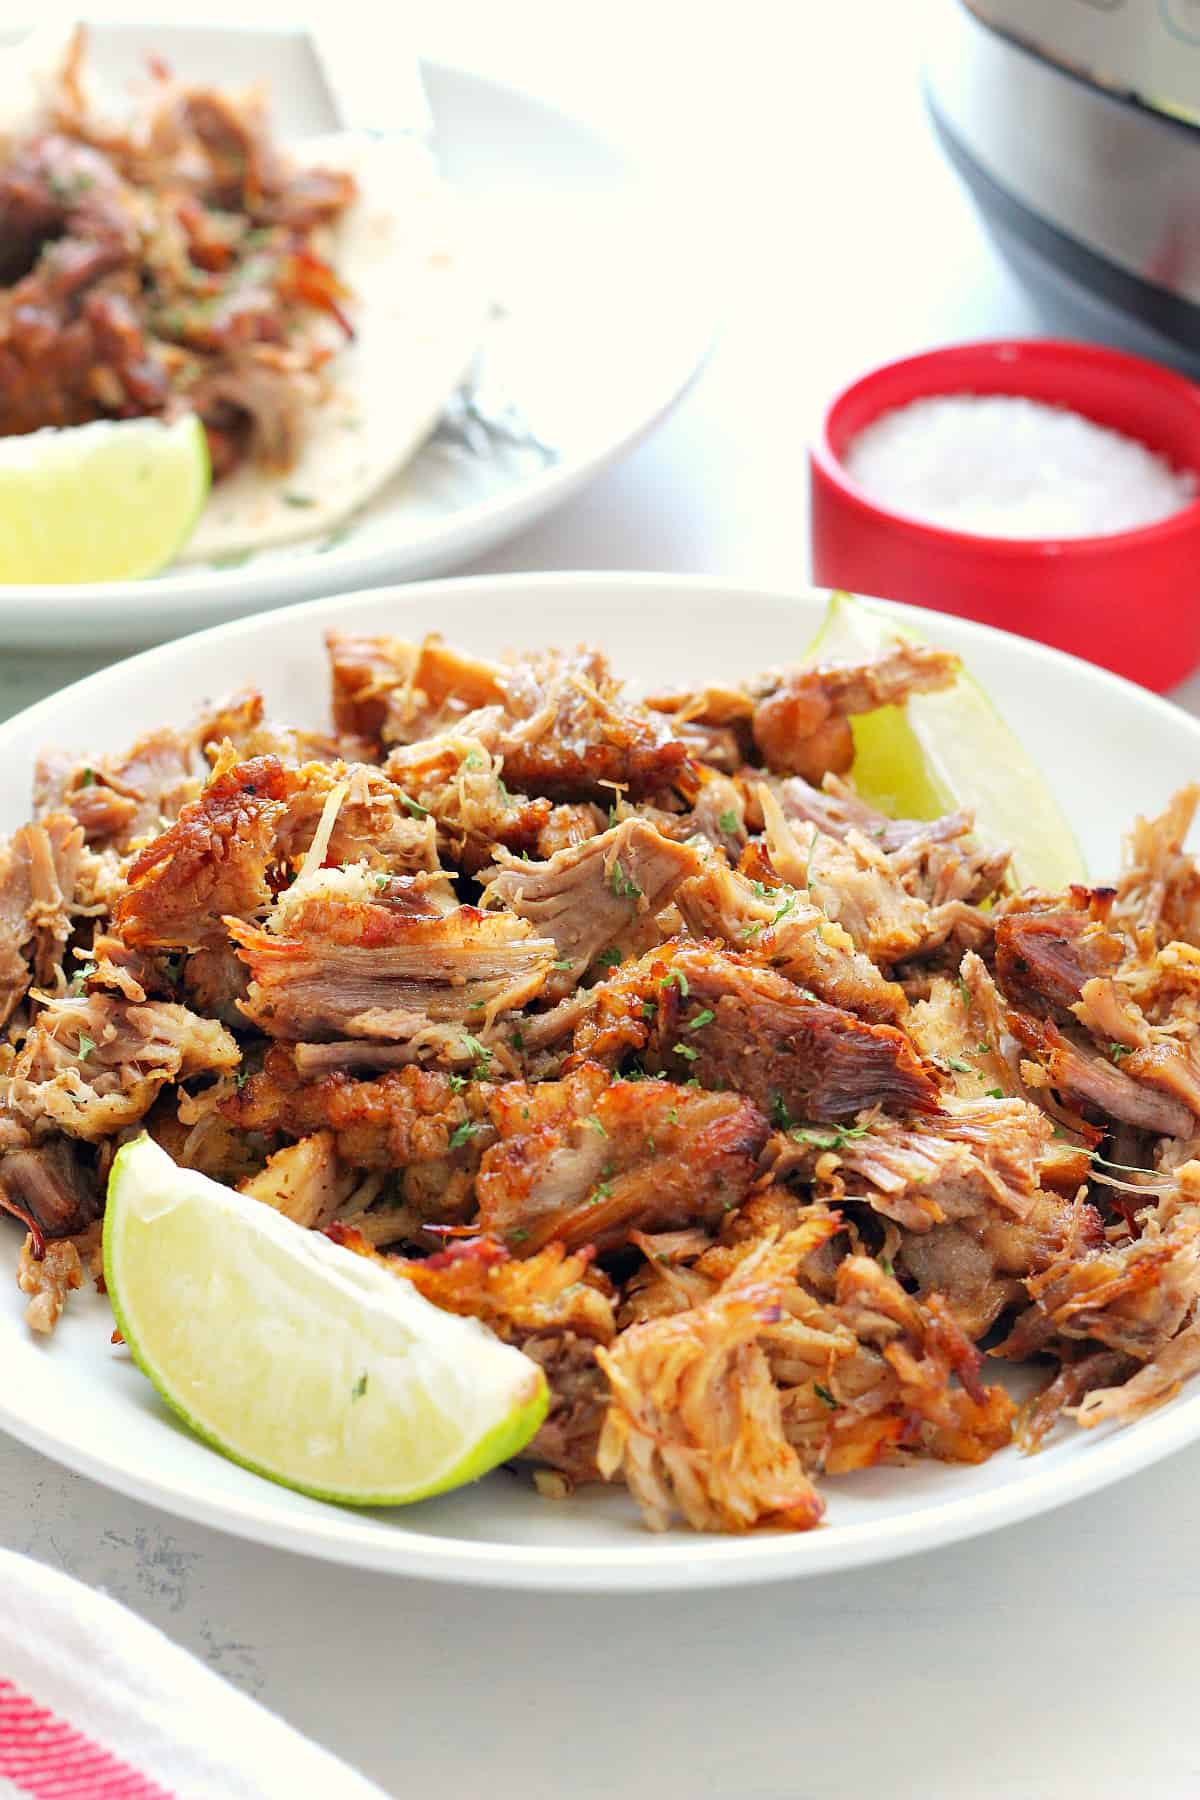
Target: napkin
[[97, 1705]]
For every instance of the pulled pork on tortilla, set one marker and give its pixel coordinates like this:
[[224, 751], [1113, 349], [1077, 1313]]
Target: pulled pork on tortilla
[[315, 308]]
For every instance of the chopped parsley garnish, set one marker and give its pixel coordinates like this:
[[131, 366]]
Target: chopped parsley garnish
[[601, 1191], [457, 1083], [984, 1049], [728, 821], [1117, 1051], [679, 978], [958, 1065], [608, 959], [824, 1396], [622, 887], [240, 1079], [479, 1053], [836, 1138], [673, 1116], [517, 1235], [80, 976], [564, 962], [413, 806], [359, 1388], [964, 993], [86, 1046], [886, 1264], [701, 1019], [686, 1050], [596, 1124], [462, 1134], [299, 500], [88, 778], [381, 881], [994, 1093], [473, 760], [505, 796], [781, 1118]]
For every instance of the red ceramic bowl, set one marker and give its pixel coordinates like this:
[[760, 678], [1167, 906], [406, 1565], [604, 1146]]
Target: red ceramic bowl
[[1130, 601]]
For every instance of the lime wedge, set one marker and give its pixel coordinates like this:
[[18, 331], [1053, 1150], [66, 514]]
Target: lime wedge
[[111, 501], [310, 1365], [949, 749]]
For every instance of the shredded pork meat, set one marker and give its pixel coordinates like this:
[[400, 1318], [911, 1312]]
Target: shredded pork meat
[[629, 1028]]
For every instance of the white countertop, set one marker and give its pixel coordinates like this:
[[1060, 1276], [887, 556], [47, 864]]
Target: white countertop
[[1050, 1659]]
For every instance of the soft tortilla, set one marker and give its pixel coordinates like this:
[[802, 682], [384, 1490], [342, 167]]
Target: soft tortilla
[[419, 305]]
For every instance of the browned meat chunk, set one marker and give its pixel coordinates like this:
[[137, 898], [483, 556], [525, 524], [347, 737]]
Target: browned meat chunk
[[1043, 958], [428, 1128], [589, 1160], [560, 723], [802, 724], [782, 928], [386, 967], [1104, 1090], [715, 1016], [47, 1184], [212, 862]]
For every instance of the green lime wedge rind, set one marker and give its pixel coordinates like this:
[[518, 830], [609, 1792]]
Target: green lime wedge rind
[[946, 750], [110, 501], [307, 1364]]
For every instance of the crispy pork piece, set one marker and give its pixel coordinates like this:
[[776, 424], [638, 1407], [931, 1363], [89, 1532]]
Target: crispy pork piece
[[560, 722], [695, 1011], [92, 1066], [1133, 1297], [1159, 890], [456, 781], [970, 1155], [253, 819], [386, 967], [695, 1425], [1045, 956], [120, 798], [46, 1182], [427, 1129], [1105, 1089], [602, 895], [782, 928], [39, 868], [590, 1160], [954, 1420], [797, 720], [802, 722], [211, 863], [304, 1181]]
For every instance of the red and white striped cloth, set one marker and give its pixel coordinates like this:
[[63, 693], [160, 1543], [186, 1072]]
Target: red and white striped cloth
[[97, 1705]]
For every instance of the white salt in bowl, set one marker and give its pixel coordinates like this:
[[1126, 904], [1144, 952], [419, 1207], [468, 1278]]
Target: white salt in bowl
[[1127, 599]]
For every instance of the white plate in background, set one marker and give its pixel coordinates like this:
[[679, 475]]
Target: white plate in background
[[603, 280], [1109, 749]]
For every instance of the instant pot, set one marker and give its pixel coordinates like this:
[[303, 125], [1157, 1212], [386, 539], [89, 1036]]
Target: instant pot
[[1076, 126]]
